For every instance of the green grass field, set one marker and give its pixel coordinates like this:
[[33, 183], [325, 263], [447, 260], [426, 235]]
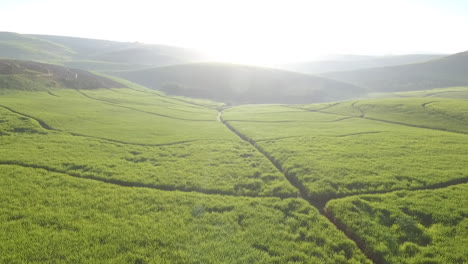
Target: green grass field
[[429, 226], [131, 175], [212, 166], [72, 112], [59, 219], [333, 158], [451, 92]]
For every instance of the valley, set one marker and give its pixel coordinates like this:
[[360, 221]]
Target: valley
[[167, 158]]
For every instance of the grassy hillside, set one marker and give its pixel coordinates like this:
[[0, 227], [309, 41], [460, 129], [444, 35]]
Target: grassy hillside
[[238, 84], [450, 92], [333, 151], [346, 64], [133, 175], [444, 72], [408, 227], [91, 54], [56, 218], [123, 52], [29, 75], [22, 47]]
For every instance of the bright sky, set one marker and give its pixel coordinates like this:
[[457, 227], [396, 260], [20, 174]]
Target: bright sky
[[254, 31]]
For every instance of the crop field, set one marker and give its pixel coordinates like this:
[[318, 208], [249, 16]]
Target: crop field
[[452, 92], [59, 219], [131, 175], [72, 112], [330, 159], [229, 166], [429, 226], [377, 146], [446, 114]]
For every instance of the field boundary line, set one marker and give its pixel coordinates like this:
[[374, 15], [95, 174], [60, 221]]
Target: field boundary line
[[122, 183], [294, 181], [47, 127], [388, 121], [172, 98], [142, 111]]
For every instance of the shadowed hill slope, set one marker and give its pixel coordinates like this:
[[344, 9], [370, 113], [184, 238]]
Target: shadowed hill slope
[[29, 75], [445, 72], [238, 84], [343, 64]]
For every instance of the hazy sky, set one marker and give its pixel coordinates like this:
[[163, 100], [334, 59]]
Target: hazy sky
[[254, 31]]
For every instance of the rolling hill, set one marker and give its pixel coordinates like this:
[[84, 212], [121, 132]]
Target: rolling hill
[[124, 52], [17, 46], [444, 72], [29, 75], [91, 54], [238, 84], [349, 63]]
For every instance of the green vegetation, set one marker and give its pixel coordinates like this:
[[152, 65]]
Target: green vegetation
[[91, 54], [435, 113], [22, 47], [153, 103], [448, 71], [451, 92], [240, 84], [429, 226], [356, 62], [53, 218], [91, 65], [70, 111], [33, 76], [227, 166], [329, 157], [98, 174], [275, 113]]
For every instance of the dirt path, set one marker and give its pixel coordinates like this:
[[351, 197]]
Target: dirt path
[[425, 104]]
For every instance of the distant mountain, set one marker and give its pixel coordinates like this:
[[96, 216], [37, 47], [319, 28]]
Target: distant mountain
[[29, 75], [351, 62], [92, 54], [239, 84], [438, 73]]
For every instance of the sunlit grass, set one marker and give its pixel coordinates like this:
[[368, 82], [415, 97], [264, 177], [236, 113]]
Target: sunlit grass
[[50, 217], [409, 227]]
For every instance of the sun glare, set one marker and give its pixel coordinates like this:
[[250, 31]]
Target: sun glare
[[253, 32]]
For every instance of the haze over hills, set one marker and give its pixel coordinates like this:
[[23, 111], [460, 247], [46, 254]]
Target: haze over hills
[[17, 46], [444, 72], [92, 54], [355, 62], [240, 84], [172, 70], [29, 75]]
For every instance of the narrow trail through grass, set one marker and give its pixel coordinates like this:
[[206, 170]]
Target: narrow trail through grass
[[425, 104], [320, 205]]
